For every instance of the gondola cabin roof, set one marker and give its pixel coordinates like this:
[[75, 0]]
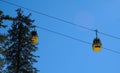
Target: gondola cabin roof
[[34, 33]]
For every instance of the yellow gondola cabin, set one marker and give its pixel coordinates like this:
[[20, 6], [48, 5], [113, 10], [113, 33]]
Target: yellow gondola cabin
[[34, 37], [96, 45]]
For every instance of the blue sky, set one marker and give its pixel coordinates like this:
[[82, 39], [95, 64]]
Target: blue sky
[[59, 54]]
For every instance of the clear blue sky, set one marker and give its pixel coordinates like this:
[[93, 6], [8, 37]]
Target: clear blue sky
[[59, 54]]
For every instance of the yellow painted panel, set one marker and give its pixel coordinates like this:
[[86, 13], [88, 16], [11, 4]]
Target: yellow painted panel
[[34, 40], [96, 49]]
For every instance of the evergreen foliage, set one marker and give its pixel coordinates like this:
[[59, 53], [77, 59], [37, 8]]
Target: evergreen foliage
[[19, 52], [3, 37]]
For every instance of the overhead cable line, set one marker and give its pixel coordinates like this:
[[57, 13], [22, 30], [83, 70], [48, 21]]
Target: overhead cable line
[[111, 50], [65, 22], [47, 15], [64, 35], [109, 35], [79, 40], [56, 18]]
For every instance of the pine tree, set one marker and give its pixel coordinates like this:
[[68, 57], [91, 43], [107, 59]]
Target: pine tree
[[3, 37], [19, 52]]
